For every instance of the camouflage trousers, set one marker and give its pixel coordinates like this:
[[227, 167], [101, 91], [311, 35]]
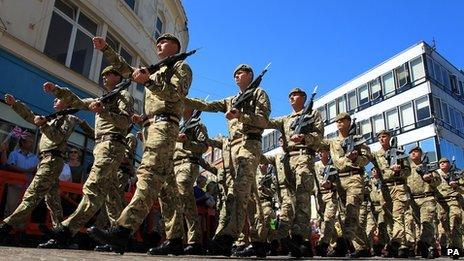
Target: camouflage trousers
[[116, 201], [450, 217], [367, 221], [244, 236], [427, 215], [245, 158], [107, 155], [186, 175], [156, 180], [384, 227], [261, 230], [45, 184], [411, 224], [330, 205], [397, 202], [351, 191]]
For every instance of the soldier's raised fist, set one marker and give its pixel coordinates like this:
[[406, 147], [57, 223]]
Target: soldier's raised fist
[[9, 99], [99, 43], [39, 120], [96, 107], [48, 87]]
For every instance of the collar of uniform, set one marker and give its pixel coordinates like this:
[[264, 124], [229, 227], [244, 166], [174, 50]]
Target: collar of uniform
[[294, 114]]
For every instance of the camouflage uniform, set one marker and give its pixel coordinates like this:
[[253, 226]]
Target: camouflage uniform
[[186, 168], [111, 127], [245, 146], [156, 180], [381, 215], [395, 195], [116, 200], [367, 220], [350, 189], [52, 147]]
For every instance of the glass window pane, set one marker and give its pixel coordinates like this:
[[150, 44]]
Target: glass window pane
[[422, 108], [88, 24], [375, 89], [82, 54], [402, 75], [332, 110], [59, 33], [363, 95], [417, 69], [66, 8], [130, 3], [392, 119], [452, 116], [458, 120], [446, 80], [437, 71], [126, 55], [437, 107], [366, 128], [407, 116], [341, 104], [428, 146], [379, 123], [444, 108], [111, 40], [323, 113], [159, 25], [352, 101], [430, 67], [388, 83]]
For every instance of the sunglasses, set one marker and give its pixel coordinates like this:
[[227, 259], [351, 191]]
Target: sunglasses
[[73, 151]]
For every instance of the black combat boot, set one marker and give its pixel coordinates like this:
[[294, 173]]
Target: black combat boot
[[103, 248], [169, 247], [392, 250], [360, 253], [378, 248], [5, 230], [306, 248], [293, 245], [403, 252], [194, 249], [221, 245], [254, 249], [274, 248], [341, 248], [321, 249], [118, 237], [61, 239]]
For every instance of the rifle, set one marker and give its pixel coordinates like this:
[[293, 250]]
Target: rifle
[[351, 143], [304, 122], [170, 61], [454, 172], [267, 180], [425, 167], [248, 93], [330, 172], [192, 122], [393, 154], [60, 113], [124, 84]]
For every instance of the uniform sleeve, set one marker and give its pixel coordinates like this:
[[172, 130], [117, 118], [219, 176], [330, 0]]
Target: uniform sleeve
[[118, 62], [59, 134], [315, 137], [260, 117], [199, 144], [88, 130], [174, 89], [72, 99], [122, 118], [214, 106], [277, 123], [22, 110]]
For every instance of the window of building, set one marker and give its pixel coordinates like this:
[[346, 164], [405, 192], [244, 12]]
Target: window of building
[[437, 107], [428, 146], [118, 48], [407, 116], [366, 129], [454, 83], [323, 113], [378, 123], [445, 113], [158, 27], [430, 67], [392, 119], [363, 94], [458, 119], [69, 39], [341, 102], [130, 3], [417, 69], [422, 108], [332, 110], [266, 143], [352, 100], [452, 116], [407, 147], [446, 78], [461, 88], [437, 72], [376, 90], [402, 75], [388, 84]]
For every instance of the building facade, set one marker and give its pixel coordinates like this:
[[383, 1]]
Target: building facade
[[51, 40]]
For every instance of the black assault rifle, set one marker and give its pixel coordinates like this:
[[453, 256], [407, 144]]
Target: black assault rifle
[[425, 167], [393, 154], [352, 142], [454, 173], [191, 122], [60, 113], [304, 122], [330, 172], [170, 61], [248, 93]]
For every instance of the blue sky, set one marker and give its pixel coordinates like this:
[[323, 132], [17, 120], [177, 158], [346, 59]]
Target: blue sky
[[309, 42]]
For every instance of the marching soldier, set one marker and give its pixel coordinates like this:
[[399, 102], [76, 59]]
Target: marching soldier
[[367, 220], [301, 149], [165, 91], [423, 184], [245, 125], [52, 147], [329, 202], [449, 210], [394, 179], [350, 166], [381, 214], [189, 148]]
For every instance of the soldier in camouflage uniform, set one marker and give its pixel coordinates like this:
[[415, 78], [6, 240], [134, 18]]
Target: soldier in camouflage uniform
[[189, 148], [112, 121], [52, 147], [449, 211], [394, 179], [165, 91], [328, 205], [350, 167], [423, 188], [245, 128], [381, 214], [367, 220], [300, 152]]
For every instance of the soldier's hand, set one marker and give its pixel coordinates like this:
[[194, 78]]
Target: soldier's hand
[[9, 99], [396, 168], [99, 43], [454, 184], [140, 136], [96, 106], [141, 75], [297, 138], [232, 114], [353, 155], [48, 87], [427, 177], [39, 120], [182, 137], [136, 119], [326, 184]]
